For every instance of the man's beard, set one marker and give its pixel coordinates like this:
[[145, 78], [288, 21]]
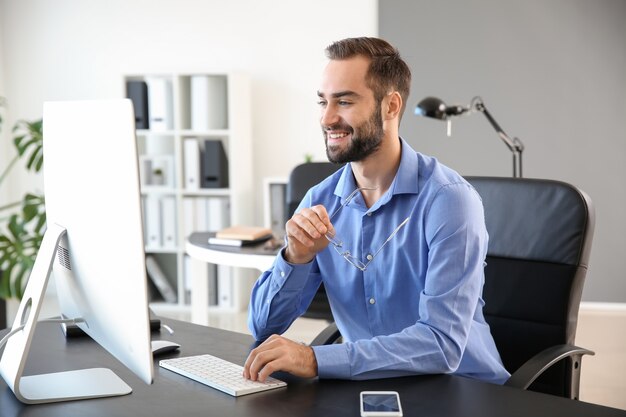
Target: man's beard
[[366, 140]]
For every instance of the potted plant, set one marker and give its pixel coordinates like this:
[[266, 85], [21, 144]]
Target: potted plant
[[157, 177], [22, 223]]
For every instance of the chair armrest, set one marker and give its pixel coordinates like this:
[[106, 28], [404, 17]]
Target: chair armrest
[[535, 366], [328, 336]]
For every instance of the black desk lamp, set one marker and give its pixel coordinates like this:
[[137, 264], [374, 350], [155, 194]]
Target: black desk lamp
[[437, 109]]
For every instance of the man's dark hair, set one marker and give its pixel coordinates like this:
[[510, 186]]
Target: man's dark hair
[[387, 71]]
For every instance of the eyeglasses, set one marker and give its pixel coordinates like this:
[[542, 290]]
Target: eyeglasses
[[338, 243]]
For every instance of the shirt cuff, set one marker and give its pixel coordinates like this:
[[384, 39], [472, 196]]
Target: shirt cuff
[[332, 361], [290, 276]]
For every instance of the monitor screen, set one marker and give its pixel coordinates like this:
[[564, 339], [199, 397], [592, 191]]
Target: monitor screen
[[91, 184]]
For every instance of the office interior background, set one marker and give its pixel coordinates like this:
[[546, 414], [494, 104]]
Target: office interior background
[[552, 73]]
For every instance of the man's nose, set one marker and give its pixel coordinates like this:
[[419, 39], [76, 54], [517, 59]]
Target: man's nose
[[329, 117]]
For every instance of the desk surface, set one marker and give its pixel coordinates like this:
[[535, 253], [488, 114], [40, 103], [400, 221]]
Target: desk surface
[[258, 257], [172, 394], [254, 256]]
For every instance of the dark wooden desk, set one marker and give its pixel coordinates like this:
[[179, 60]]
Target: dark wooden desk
[[174, 395]]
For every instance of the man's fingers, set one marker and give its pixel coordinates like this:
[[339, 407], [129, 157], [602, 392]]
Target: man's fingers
[[322, 215], [296, 231], [280, 354], [249, 370]]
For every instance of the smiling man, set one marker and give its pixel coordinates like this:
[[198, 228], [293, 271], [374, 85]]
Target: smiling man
[[397, 238]]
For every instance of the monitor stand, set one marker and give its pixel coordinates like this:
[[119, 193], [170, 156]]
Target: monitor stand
[[53, 387]]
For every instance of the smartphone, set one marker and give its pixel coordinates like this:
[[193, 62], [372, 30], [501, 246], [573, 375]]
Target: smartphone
[[380, 404]]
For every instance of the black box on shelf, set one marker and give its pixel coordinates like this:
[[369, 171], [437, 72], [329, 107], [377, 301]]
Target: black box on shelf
[[137, 92], [214, 165]]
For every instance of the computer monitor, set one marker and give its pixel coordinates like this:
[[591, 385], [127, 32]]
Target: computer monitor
[[94, 243]]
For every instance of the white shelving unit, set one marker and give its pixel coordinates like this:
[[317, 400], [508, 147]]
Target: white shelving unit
[[162, 145]]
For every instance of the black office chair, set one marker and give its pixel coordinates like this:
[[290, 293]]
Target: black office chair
[[540, 234], [301, 178]]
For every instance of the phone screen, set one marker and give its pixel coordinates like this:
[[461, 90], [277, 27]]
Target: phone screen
[[380, 402]]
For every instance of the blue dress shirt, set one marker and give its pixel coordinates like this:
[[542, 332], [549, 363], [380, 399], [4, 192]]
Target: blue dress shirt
[[417, 308]]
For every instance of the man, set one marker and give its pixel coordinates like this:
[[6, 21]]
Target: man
[[397, 238]]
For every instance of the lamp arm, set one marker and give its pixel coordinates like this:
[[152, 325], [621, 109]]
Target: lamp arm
[[515, 145]]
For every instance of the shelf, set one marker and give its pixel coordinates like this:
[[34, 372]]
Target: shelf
[[205, 107]]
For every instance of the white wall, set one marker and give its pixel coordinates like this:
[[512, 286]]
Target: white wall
[[4, 145], [75, 49]]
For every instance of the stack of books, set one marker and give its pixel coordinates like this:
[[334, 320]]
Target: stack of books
[[241, 236]]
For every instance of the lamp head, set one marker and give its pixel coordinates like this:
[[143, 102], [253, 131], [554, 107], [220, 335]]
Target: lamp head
[[437, 109], [432, 107]]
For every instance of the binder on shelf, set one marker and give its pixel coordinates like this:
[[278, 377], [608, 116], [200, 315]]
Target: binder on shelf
[[191, 154], [201, 214], [213, 295], [211, 276], [217, 209], [152, 220], [278, 215], [189, 217], [224, 287], [208, 102], [187, 277], [160, 103], [214, 165], [137, 92], [160, 280], [168, 222], [145, 170]]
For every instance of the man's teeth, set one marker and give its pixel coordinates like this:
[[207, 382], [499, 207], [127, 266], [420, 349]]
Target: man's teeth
[[337, 135]]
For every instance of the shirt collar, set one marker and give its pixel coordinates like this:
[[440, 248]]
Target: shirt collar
[[405, 181]]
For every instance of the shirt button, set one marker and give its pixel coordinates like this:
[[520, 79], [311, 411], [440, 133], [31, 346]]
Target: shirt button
[[372, 301], [282, 274], [369, 214], [369, 257]]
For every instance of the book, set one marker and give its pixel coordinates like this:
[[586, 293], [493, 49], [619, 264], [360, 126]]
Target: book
[[237, 242], [241, 236], [244, 233]]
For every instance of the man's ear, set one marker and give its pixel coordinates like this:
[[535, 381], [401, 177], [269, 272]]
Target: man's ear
[[392, 105]]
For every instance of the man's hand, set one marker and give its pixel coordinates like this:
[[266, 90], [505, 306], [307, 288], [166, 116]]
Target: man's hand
[[305, 234], [280, 354]]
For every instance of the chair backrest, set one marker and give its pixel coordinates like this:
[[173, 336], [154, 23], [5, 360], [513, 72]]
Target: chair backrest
[[302, 178], [540, 234]]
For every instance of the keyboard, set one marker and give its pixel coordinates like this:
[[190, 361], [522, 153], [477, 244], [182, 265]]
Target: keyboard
[[219, 374]]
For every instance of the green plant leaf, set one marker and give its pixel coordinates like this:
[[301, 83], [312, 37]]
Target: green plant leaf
[[19, 247], [30, 139], [21, 232]]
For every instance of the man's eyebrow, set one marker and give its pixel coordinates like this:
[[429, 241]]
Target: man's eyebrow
[[339, 94]]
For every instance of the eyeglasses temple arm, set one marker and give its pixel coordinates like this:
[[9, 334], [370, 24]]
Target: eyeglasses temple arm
[[392, 235]]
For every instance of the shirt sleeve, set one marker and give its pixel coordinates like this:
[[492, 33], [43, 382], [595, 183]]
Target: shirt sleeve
[[280, 295], [457, 242]]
